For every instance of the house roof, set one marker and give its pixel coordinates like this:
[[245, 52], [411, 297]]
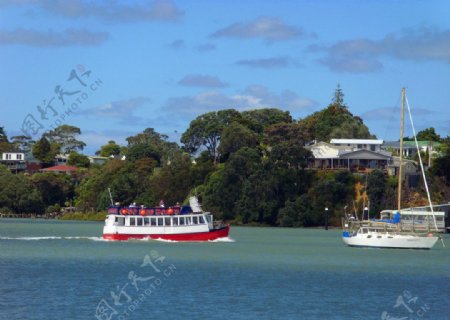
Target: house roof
[[61, 168], [364, 155], [357, 141]]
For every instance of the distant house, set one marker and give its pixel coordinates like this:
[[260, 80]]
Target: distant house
[[61, 169], [410, 149], [97, 159], [349, 154], [61, 159], [15, 161]]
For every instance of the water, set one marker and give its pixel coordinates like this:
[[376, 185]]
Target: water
[[63, 270]]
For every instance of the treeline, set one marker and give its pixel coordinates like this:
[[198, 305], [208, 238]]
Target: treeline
[[246, 167]]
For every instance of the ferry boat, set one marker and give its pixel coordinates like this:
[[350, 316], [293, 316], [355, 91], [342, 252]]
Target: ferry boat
[[178, 223]]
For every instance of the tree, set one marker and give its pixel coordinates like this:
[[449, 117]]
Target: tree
[[44, 151], [22, 143], [78, 160], [428, 134], [206, 131], [151, 144], [338, 98], [234, 137], [142, 150], [284, 132], [257, 120], [376, 186], [110, 149], [5, 146], [18, 194], [53, 188], [65, 136], [334, 120]]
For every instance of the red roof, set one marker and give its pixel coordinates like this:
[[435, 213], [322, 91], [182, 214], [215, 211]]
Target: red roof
[[61, 168]]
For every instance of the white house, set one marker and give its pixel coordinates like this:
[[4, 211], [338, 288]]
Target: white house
[[350, 154], [15, 161], [366, 144]]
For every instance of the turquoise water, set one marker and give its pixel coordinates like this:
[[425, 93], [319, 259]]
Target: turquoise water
[[63, 270]]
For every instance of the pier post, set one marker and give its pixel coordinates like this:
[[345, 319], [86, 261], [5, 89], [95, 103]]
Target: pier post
[[326, 218]]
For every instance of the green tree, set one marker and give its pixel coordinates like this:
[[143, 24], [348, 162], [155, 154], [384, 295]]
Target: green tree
[[53, 188], [334, 120], [78, 160], [109, 149], [257, 120], [5, 146], [206, 131], [428, 134], [22, 143], [376, 187], [234, 137], [65, 136], [18, 194], [44, 151]]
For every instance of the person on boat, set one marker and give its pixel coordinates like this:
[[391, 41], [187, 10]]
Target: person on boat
[[161, 203]]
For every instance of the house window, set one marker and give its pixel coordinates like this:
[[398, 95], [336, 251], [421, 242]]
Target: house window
[[372, 147], [8, 156], [19, 157]]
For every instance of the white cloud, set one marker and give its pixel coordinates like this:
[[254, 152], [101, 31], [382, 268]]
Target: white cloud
[[69, 37], [364, 55], [267, 28]]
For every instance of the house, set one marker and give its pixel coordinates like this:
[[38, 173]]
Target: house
[[61, 159], [349, 154], [367, 144], [60, 169], [410, 148], [15, 161], [97, 160]]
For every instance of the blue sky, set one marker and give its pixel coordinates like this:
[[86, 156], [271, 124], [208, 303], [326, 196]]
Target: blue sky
[[162, 63]]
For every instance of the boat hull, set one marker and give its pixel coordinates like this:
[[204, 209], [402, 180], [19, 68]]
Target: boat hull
[[195, 236], [391, 241]]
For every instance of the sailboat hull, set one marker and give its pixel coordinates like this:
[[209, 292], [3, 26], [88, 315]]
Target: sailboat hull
[[386, 240]]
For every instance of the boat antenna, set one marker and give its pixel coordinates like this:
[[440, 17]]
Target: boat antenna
[[110, 196], [400, 168]]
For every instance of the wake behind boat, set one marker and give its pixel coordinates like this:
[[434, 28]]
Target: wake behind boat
[[178, 223]]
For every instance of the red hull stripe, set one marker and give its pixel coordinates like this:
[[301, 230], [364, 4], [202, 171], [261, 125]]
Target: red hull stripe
[[201, 236]]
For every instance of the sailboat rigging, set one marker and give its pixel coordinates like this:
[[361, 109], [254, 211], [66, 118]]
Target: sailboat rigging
[[392, 233]]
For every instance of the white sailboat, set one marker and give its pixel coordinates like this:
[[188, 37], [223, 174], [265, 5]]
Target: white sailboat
[[391, 233]]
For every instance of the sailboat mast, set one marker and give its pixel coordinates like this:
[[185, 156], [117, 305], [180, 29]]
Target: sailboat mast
[[400, 167]]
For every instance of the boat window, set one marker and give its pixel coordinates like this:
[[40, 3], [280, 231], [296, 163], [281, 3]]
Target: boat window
[[208, 218], [132, 221], [195, 220], [120, 221], [160, 221], [181, 221], [201, 220], [364, 230], [188, 220], [139, 221], [167, 221], [153, 221], [175, 221], [146, 221]]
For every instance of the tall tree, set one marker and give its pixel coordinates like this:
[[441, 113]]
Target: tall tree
[[206, 131], [22, 143], [5, 146], [44, 151], [109, 149], [66, 137]]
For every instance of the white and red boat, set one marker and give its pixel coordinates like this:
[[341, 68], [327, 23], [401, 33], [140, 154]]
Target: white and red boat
[[178, 223]]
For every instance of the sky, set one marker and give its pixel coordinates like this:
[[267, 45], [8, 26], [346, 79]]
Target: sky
[[114, 68]]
